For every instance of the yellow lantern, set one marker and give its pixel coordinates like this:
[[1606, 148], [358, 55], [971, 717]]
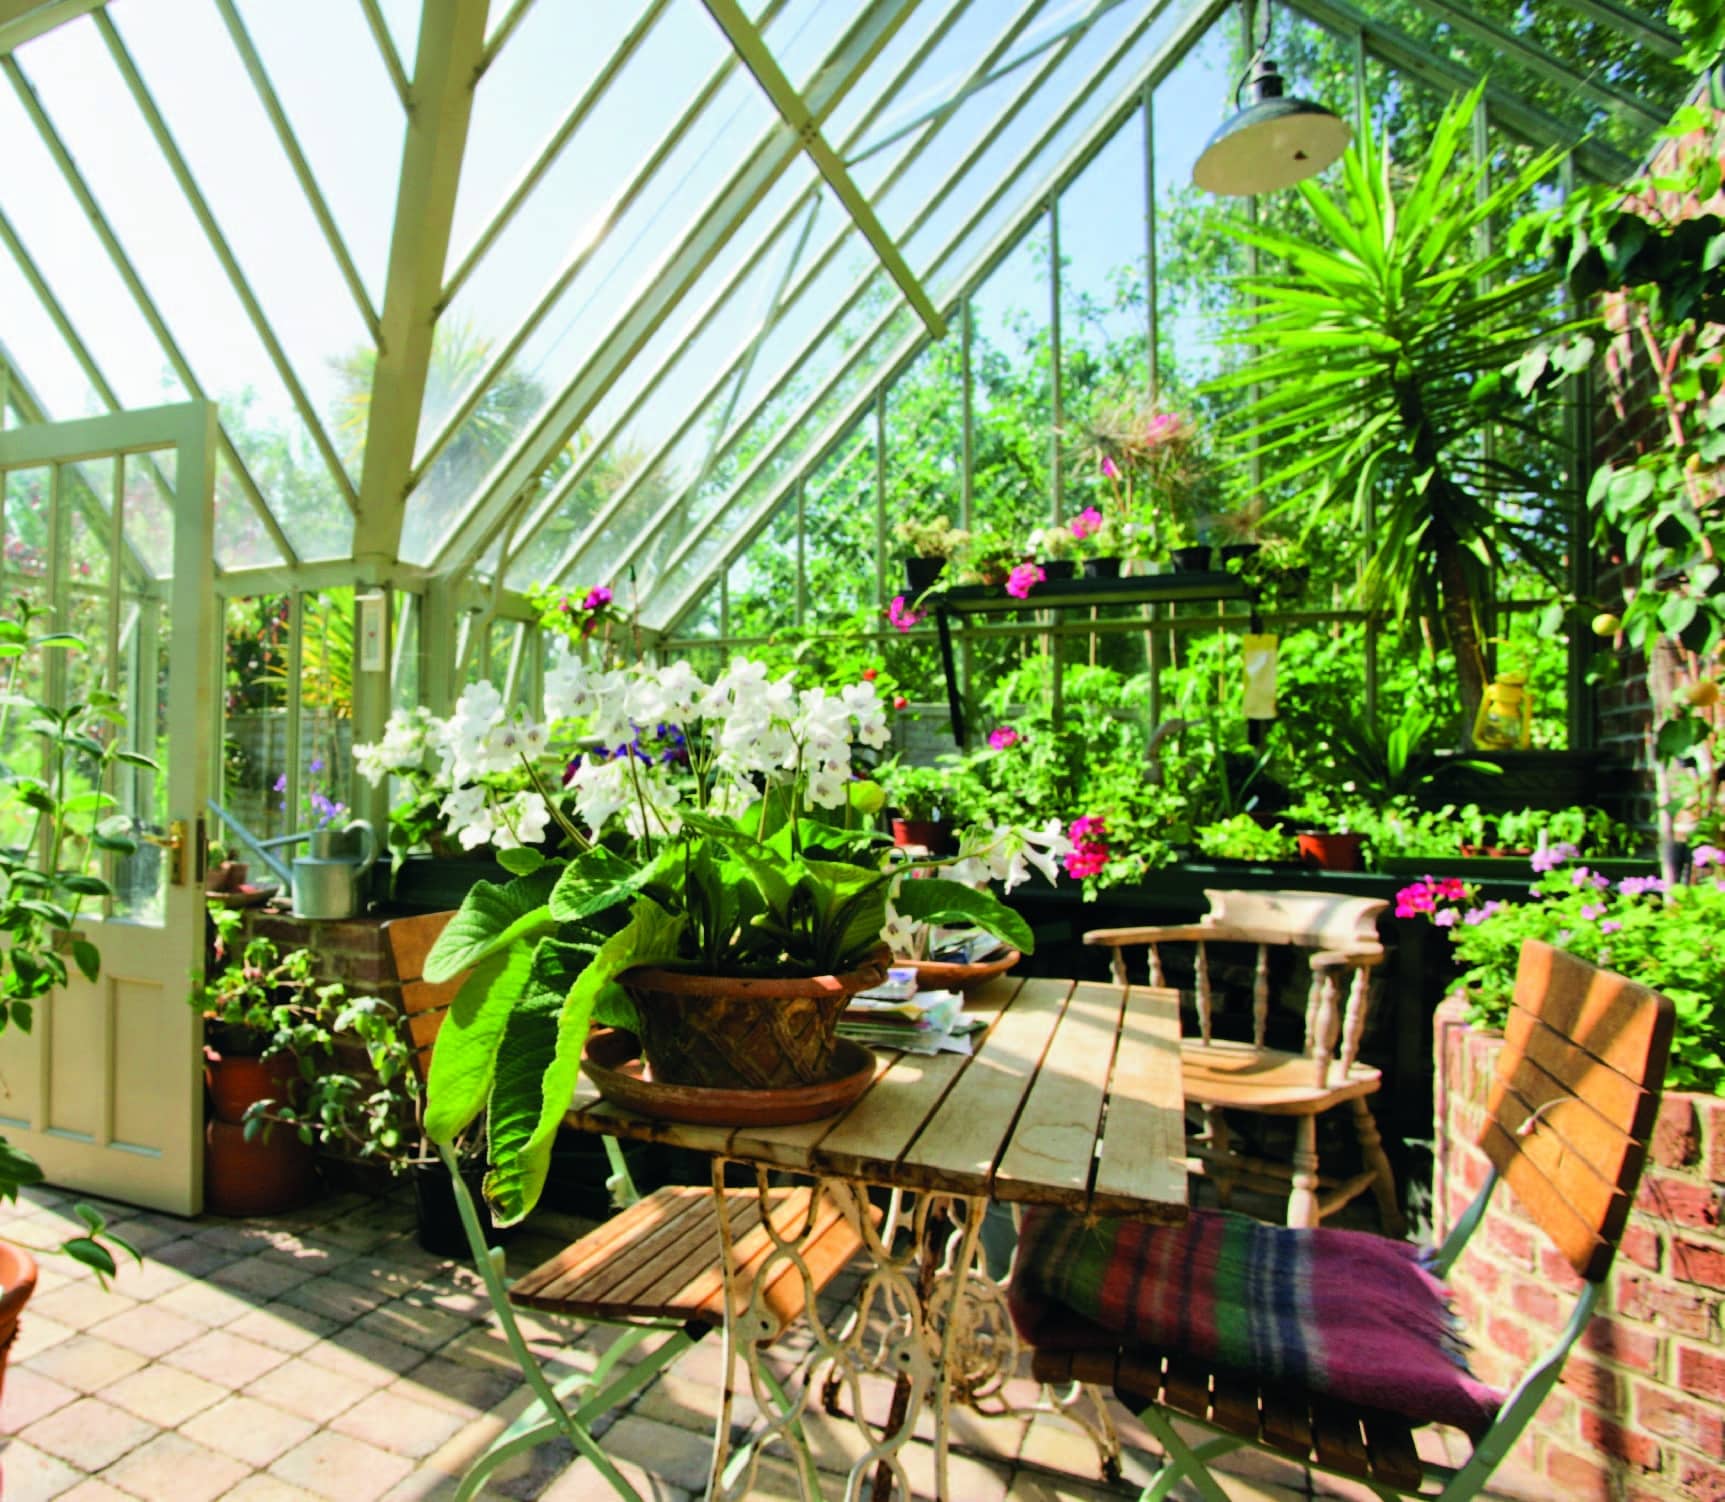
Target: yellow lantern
[[1505, 718]]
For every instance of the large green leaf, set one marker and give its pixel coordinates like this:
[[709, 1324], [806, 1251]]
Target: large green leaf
[[492, 918], [596, 880], [533, 1089], [933, 899], [465, 1057]]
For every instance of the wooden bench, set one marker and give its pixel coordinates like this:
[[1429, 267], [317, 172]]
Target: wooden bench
[[1338, 936]]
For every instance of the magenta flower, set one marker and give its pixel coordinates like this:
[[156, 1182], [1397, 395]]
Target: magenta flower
[[1003, 736], [1023, 579], [901, 615], [1110, 468], [1089, 853], [597, 598], [1087, 521]]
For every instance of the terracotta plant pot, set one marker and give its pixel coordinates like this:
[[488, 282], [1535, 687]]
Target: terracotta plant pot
[[933, 835], [1331, 852], [743, 1032], [266, 1176], [17, 1283], [920, 573], [236, 1081]]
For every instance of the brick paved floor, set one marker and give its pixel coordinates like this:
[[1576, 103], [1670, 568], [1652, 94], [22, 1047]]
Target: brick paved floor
[[324, 1355]]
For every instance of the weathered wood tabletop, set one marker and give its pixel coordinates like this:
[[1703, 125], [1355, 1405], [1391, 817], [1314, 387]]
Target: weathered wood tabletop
[[1071, 1097]]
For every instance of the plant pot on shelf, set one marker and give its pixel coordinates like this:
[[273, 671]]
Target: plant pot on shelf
[[1101, 568], [1060, 568], [920, 573], [272, 1171], [1238, 552], [932, 835], [1195, 560], [17, 1283], [728, 1032], [1331, 852]]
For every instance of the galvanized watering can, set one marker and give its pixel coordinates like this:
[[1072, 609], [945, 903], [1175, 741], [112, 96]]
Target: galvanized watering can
[[327, 881]]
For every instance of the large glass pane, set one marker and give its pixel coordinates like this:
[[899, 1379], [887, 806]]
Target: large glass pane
[[1011, 394]]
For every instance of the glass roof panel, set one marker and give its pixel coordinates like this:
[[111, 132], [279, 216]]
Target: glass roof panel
[[401, 17], [240, 537], [802, 34], [37, 356], [201, 89], [869, 95], [338, 98], [57, 236], [112, 146]]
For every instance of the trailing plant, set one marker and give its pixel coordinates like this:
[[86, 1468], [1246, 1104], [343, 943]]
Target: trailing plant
[[281, 1009], [1372, 351], [1240, 837]]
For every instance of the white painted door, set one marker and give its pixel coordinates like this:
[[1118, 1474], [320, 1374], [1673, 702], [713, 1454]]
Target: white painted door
[[107, 524]]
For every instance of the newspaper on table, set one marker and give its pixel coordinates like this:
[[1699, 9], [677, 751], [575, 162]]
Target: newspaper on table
[[894, 1014]]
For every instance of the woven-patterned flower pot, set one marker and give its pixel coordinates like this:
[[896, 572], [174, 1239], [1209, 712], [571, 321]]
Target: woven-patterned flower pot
[[743, 1032]]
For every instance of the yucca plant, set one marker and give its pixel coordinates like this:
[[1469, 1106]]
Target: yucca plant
[[1377, 347]]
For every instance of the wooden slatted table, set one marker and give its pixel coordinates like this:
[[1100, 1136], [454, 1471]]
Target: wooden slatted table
[[1071, 1097]]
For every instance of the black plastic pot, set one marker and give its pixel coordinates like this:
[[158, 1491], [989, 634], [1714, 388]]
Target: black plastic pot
[[439, 1221], [1060, 568], [1191, 560], [920, 573], [1238, 552], [1101, 568]]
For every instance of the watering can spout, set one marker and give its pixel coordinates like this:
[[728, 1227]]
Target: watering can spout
[[263, 849]]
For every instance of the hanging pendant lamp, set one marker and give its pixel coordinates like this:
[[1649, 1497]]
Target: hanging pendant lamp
[[1273, 142]]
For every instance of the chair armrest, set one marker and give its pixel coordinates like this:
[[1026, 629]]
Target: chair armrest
[[1362, 958], [1167, 934]]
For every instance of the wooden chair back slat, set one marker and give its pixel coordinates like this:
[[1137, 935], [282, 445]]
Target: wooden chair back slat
[[424, 1003], [1311, 920], [1575, 1095]]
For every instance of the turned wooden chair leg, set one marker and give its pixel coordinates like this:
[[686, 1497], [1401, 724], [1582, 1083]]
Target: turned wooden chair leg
[[1390, 1215], [1303, 1197]]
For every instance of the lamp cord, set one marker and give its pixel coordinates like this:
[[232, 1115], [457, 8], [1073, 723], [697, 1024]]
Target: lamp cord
[[1258, 54]]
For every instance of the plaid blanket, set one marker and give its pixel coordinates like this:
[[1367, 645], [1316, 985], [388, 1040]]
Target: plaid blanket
[[1345, 1313]]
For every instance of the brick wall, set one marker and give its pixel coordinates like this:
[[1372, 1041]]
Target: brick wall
[[1640, 1412], [350, 950]]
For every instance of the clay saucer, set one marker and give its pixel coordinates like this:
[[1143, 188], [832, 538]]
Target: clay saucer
[[940, 975], [613, 1062]]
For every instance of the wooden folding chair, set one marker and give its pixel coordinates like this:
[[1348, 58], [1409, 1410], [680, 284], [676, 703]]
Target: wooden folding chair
[[1338, 936], [655, 1270], [1576, 1095]]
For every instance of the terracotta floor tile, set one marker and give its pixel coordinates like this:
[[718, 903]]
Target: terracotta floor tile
[[260, 1278], [30, 1395], [313, 1392], [86, 1362], [148, 1330], [89, 1434], [172, 1468], [80, 1305], [230, 1360], [31, 1475], [283, 1327], [164, 1395], [340, 1468], [249, 1430]]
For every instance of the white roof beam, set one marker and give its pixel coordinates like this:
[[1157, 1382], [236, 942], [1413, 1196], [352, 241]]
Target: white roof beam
[[746, 38], [451, 42], [22, 21]]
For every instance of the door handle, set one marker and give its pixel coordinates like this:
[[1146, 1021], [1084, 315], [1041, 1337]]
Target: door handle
[[175, 843]]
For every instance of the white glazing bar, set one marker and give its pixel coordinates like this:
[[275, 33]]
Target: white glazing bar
[[386, 47], [128, 274], [975, 85], [747, 40], [932, 202], [1026, 93], [675, 274], [554, 144], [1196, 21], [606, 218], [218, 243], [548, 507], [320, 209]]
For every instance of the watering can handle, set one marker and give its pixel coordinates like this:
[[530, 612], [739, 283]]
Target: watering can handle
[[369, 858]]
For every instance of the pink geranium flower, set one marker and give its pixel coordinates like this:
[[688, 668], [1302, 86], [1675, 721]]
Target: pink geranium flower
[[1002, 736], [1087, 521], [1023, 579], [901, 614]]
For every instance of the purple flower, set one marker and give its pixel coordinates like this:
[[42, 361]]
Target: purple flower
[[1445, 919], [1582, 877], [1639, 886], [1707, 855], [1477, 915], [280, 785], [597, 598], [1592, 911], [1553, 856], [1610, 926], [316, 766]]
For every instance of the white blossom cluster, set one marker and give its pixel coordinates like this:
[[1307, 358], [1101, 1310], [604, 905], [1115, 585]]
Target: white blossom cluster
[[410, 738]]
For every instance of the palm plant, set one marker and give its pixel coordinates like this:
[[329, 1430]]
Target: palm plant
[[1377, 347]]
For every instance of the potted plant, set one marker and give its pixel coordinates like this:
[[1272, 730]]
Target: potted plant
[[274, 1058], [990, 558], [928, 545], [1099, 543], [1147, 457], [1324, 833], [1240, 837], [1053, 547], [53, 807], [924, 803], [753, 864]]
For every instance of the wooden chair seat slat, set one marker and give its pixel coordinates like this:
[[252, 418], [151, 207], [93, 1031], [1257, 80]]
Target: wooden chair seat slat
[[1234, 1404], [1390, 1449], [1337, 1438], [1186, 1386], [1583, 1006], [1270, 1081]]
